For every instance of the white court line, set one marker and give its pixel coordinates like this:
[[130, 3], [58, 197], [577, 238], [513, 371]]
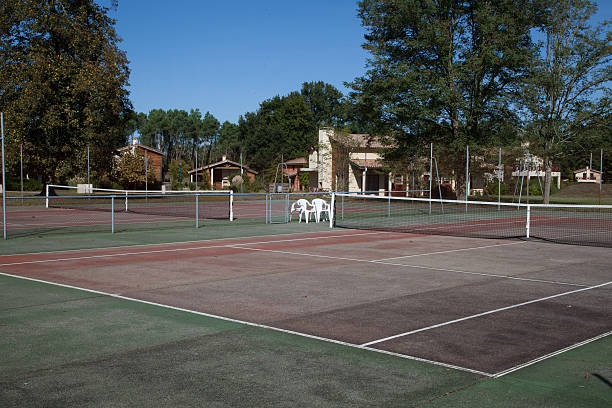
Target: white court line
[[501, 309], [339, 258], [449, 251], [155, 251], [246, 323], [547, 356]]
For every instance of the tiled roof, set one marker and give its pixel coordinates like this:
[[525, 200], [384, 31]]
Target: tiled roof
[[369, 163]]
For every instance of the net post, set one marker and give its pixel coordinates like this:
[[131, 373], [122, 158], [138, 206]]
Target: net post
[[3, 179], [499, 176], [112, 214], [342, 207], [266, 195], [47, 196], [126, 201], [430, 173], [528, 224], [332, 210], [231, 205], [197, 214], [389, 205], [467, 176]]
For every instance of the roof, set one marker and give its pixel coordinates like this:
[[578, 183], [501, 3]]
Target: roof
[[148, 148], [299, 160], [363, 140], [222, 162], [369, 163], [587, 169]]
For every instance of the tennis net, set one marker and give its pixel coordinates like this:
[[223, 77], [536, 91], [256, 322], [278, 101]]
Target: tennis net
[[571, 224], [200, 205]]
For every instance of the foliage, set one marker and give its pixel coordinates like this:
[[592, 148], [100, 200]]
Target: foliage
[[442, 72], [130, 172], [14, 184], [283, 126], [63, 86], [179, 134], [179, 176], [228, 143], [325, 102], [567, 97]]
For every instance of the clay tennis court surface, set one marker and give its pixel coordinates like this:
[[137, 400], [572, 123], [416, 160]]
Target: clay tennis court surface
[[479, 305]]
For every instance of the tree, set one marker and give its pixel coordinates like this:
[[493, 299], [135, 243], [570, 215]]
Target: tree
[[568, 97], [442, 71], [325, 102], [130, 171], [63, 85], [179, 134], [283, 126]]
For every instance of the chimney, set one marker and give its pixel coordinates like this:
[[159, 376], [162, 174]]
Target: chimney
[[224, 158]]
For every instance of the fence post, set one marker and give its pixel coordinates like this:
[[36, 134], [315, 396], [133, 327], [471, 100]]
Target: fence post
[[332, 207], [197, 213], [3, 179], [126, 201], [231, 205], [47, 196], [112, 214], [527, 227]]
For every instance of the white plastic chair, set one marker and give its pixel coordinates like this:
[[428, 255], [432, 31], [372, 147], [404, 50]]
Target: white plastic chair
[[320, 207], [304, 207]]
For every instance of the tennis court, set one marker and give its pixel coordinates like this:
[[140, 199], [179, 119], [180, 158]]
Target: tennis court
[[465, 310]]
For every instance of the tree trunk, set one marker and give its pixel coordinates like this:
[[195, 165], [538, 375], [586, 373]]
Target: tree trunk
[[547, 181]]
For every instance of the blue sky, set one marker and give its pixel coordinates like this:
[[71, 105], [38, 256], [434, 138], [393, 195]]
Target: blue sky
[[226, 57]]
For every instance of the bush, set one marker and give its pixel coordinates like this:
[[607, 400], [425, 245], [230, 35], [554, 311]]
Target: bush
[[14, 184]]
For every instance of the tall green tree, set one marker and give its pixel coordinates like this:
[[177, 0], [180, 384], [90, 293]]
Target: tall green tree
[[568, 96], [442, 71], [326, 103], [63, 85], [179, 134], [282, 127]]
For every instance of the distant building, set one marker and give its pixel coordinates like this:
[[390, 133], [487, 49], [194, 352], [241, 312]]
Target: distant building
[[221, 173], [354, 156], [587, 175], [293, 170], [153, 156], [537, 169]]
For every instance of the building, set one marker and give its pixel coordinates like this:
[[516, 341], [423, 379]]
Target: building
[[292, 172], [154, 157], [536, 169], [221, 173], [349, 161], [587, 175]]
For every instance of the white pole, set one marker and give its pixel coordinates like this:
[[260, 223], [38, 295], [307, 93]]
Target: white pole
[[146, 174], [88, 169], [196, 169], [21, 167], [231, 205], [112, 214], [600, 173], [430, 173], [528, 221], [332, 205], [499, 176], [3, 178], [467, 177], [197, 214], [47, 196]]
